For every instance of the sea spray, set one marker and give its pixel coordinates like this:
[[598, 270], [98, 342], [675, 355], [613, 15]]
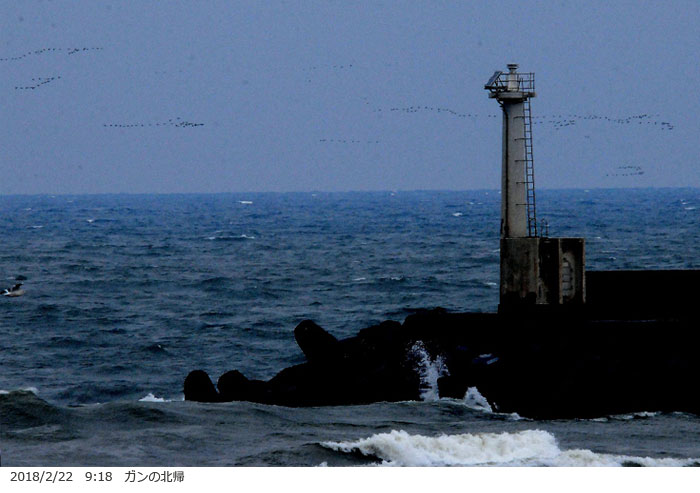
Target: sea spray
[[399, 448], [523, 448], [429, 370], [474, 400]]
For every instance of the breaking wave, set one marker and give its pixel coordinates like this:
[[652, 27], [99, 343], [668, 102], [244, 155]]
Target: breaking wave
[[429, 370], [225, 237], [474, 400], [150, 397], [523, 448]]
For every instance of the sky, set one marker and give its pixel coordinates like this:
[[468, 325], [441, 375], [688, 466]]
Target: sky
[[139, 96]]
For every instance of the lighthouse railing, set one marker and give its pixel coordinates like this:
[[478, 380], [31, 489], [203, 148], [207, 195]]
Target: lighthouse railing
[[499, 82]]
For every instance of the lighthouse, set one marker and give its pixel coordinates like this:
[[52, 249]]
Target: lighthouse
[[535, 270], [513, 91]]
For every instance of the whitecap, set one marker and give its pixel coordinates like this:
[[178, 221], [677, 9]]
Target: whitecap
[[474, 400], [647, 414], [637, 415], [33, 390], [152, 398], [457, 214], [245, 202], [522, 448], [358, 279], [690, 208], [399, 448]]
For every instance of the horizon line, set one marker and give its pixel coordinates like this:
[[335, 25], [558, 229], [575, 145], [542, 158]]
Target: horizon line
[[394, 191]]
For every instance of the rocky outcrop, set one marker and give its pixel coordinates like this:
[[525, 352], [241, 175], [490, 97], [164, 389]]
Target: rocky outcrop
[[539, 365]]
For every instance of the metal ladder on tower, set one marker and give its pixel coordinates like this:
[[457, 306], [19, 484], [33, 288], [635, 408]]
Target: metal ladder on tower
[[529, 172]]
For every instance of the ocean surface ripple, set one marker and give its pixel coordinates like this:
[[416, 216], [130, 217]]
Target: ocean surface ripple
[[126, 294]]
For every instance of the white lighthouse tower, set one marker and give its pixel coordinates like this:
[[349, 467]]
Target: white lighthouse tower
[[535, 270], [513, 91]]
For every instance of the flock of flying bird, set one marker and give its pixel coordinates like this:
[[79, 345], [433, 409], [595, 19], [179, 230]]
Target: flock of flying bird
[[558, 121], [325, 67], [39, 81], [349, 141], [68, 51], [627, 171], [177, 122]]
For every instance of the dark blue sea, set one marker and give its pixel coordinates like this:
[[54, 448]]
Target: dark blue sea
[[125, 294]]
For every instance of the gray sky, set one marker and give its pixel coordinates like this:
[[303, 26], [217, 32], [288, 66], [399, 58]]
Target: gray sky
[[234, 96]]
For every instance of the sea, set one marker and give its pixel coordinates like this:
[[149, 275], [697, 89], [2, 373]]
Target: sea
[[126, 294]]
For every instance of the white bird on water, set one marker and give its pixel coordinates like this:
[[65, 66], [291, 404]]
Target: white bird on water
[[14, 291]]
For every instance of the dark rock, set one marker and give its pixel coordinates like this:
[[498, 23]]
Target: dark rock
[[540, 364], [233, 386], [198, 387], [315, 342]]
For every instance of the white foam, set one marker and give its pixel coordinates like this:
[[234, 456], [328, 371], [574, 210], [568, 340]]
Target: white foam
[[522, 448], [245, 202], [637, 415], [399, 448], [429, 371], [152, 398], [33, 390], [457, 214], [474, 400], [647, 414], [227, 237]]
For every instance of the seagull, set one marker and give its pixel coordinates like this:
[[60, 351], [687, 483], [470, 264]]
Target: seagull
[[14, 291]]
